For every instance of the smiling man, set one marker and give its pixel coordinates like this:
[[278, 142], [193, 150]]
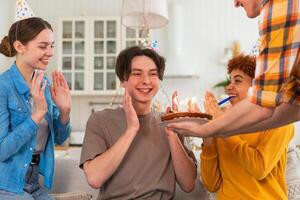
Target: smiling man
[[125, 152]]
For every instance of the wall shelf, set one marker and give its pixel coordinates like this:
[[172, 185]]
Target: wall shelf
[[181, 76]]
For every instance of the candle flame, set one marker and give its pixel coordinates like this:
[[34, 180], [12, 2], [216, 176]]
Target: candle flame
[[192, 105]]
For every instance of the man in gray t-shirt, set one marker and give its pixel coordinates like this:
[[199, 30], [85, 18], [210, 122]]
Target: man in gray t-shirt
[[125, 152]]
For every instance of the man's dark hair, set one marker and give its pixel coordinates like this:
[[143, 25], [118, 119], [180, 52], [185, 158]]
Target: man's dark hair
[[123, 63]]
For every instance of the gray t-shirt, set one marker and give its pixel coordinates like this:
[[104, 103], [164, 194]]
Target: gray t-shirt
[[146, 172], [42, 133]]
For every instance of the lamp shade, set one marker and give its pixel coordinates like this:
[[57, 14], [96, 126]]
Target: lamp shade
[[145, 13]]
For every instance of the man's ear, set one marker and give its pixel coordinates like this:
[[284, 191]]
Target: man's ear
[[19, 47], [123, 84]]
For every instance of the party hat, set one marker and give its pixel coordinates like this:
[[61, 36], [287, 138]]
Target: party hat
[[23, 10], [153, 45]]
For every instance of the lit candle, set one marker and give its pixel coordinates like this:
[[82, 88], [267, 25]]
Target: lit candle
[[175, 102], [192, 105]]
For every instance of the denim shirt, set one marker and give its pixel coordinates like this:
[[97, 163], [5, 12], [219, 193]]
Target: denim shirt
[[18, 132]]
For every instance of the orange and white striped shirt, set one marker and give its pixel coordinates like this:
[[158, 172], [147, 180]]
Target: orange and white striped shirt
[[279, 29]]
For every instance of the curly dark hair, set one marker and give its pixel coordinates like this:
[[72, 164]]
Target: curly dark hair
[[123, 63], [245, 63]]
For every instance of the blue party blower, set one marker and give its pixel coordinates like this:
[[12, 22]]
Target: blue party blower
[[225, 100]]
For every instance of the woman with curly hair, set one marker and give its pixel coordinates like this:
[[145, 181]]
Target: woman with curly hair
[[246, 166]]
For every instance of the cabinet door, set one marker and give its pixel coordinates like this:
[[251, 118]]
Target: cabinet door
[[105, 49], [130, 37], [88, 48], [73, 53]]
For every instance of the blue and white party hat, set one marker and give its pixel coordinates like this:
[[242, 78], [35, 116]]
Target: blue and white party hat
[[23, 10]]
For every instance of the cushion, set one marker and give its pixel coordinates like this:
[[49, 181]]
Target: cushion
[[293, 173], [72, 196]]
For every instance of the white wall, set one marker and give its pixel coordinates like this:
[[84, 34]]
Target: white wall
[[198, 33], [5, 22]]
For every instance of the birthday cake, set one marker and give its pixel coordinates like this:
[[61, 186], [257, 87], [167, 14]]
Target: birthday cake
[[171, 116], [193, 110]]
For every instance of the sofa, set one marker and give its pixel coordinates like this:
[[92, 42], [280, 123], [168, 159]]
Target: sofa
[[70, 184]]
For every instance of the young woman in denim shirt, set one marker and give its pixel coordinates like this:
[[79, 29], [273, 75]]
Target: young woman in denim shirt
[[34, 115]]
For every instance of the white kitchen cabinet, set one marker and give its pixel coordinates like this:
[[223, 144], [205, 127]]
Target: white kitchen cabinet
[[87, 52]]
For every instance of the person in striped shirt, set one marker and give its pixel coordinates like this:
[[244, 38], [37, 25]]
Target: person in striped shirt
[[275, 96]]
